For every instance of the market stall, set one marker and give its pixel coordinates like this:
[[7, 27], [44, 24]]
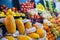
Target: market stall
[[30, 20]]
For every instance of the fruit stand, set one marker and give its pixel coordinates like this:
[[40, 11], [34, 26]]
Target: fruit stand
[[29, 20]]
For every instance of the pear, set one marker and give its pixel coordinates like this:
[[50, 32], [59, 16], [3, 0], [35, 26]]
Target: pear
[[53, 25], [12, 13], [56, 34], [17, 14], [0, 15], [20, 18], [3, 14], [9, 10], [23, 14], [7, 13]]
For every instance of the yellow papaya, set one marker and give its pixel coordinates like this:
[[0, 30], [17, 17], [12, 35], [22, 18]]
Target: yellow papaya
[[34, 35], [40, 32], [9, 37], [10, 24], [28, 25], [22, 37], [20, 26]]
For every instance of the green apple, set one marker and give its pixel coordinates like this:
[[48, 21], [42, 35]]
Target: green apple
[[12, 13], [23, 14], [17, 14]]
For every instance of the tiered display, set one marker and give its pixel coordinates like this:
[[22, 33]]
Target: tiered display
[[34, 26]]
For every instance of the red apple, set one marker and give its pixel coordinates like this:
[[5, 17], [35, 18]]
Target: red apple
[[4, 10], [26, 6], [4, 6], [22, 6], [28, 0], [13, 9], [22, 9], [56, 21], [32, 17], [38, 16]]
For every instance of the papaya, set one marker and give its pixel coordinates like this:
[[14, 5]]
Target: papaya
[[9, 37], [34, 35], [10, 25], [28, 25], [22, 37], [20, 26], [40, 32]]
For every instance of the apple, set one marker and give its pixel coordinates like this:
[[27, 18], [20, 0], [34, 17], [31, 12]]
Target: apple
[[4, 10], [13, 9], [22, 6], [32, 17], [28, 0], [1, 7], [38, 16], [4, 6], [22, 9], [41, 17], [57, 21], [35, 16], [26, 6]]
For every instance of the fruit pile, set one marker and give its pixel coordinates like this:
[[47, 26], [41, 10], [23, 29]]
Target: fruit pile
[[55, 26], [26, 6], [30, 28], [4, 11], [25, 29], [35, 18], [52, 28], [50, 35]]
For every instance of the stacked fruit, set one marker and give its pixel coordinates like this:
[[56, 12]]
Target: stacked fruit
[[26, 6], [35, 18], [16, 13], [3, 8], [55, 26], [4, 11], [26, 30], [2, 14], [50, 35], [10, 12]]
